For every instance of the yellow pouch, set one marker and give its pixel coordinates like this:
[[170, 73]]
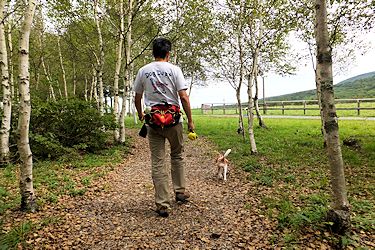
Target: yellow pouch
[[192, 136]]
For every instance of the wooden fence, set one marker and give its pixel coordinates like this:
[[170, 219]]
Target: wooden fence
[[304, 106]]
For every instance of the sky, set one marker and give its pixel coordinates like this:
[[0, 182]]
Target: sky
[[221, 92]]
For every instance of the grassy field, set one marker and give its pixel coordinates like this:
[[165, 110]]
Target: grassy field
[[292, 168]]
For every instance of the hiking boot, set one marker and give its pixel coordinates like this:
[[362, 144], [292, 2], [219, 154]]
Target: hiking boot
[[182, 197], [162, 212]]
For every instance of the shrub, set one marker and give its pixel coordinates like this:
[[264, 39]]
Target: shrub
[[58, 127]]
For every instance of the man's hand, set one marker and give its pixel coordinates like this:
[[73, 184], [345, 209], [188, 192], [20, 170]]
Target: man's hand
[[138, 106], [141, 116], [191, 126]]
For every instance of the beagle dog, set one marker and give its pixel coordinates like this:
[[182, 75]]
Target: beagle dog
[[222, 165]]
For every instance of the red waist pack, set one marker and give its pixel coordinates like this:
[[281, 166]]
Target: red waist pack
[[163, 116]]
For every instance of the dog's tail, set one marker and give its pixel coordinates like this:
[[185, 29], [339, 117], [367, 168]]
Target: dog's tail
[[227, 152]]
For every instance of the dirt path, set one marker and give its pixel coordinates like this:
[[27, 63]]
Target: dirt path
[[118, 212]]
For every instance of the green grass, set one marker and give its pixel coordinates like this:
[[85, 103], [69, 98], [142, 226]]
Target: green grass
[[292, 162], [15, 237]]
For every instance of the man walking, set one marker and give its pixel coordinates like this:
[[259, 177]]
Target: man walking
[[163, 85]]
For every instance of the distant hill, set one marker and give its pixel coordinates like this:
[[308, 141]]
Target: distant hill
[[361, 86]]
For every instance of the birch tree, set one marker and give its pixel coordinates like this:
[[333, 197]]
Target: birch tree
[[62, 67], [40, 30], [250, 109], [231, 41], [346, 21], [128, 72], [6, 87], [118, 68], [189, 24], [339, 213], [98, 12], [26, 167], [9, 25], [269, 24]]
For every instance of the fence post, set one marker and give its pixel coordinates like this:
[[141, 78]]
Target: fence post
[[304, 107], [264, 107], [282, 107], [358, 107], [212, 108], [224, 108]]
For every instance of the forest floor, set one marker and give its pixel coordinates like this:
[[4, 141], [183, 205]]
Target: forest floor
[[117, 212]]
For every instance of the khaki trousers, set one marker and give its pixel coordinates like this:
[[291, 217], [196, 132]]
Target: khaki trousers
[[156, 137]]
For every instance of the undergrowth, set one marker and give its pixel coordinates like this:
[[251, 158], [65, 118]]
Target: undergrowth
[[52, 180]]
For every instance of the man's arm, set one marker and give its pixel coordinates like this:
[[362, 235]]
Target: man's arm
[[186, 105], [138, 105]]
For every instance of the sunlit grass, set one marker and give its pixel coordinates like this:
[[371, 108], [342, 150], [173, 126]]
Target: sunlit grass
[[292, 162]]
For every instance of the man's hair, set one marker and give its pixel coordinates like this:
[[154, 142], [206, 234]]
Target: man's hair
[[160, 47]]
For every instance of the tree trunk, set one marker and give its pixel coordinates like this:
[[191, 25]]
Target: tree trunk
[[319, 98], [191, 83], [46, 74], [255, 71], [86, 90], [241, 129], [62, 68], [75, 80], [339, 214], [99, 69], [10, 56], [123, 113], [256, 102], [128, 73], [117, 70], [7, 92], [95, 88], [253, 147], [26, 167]]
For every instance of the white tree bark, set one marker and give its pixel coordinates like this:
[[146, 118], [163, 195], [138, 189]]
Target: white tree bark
[[128, 73], [86, 90], [253, 146], [46, 74], [26, 168], [10, 55], [118, 69], [95, 87], [255, 72], [7, 92], [62, 68], [256, 103], [340, 213], [238, 89], [99, 69]]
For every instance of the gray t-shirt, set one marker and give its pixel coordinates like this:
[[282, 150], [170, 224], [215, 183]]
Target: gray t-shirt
[[160, 83]]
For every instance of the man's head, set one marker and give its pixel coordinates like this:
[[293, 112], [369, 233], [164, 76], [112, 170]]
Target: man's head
[[161, 48]]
